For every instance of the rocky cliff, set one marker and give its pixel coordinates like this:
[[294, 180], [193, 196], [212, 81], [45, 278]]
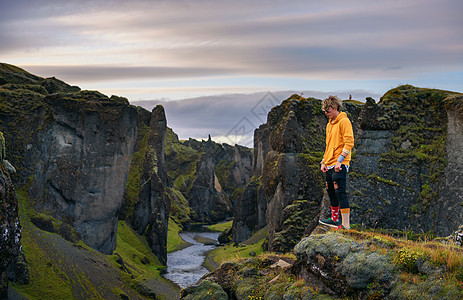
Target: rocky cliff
[[249, 213], [404, 171], [72, 150], [403, 175], [10, 229], [83, 157], [151, 209]]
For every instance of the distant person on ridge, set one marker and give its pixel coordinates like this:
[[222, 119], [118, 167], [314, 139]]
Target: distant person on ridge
[[335, 163]]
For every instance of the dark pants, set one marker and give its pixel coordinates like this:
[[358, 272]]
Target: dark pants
[[336, 184]]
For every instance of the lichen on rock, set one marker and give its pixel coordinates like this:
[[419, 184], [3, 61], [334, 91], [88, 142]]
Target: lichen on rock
[[10, 229], [340, 266]]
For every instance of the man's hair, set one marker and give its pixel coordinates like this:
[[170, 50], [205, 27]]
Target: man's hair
[[332, 101]]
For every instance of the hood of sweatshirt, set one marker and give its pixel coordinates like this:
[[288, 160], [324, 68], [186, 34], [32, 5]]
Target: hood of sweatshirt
[[341, 115]]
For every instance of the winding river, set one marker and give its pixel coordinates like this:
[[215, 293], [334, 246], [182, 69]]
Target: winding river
[[184, 267]]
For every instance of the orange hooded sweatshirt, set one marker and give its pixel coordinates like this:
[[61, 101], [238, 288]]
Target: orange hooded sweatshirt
[[339, 138]]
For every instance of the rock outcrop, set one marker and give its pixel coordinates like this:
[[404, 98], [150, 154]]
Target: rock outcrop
[[405, 170], [342, 267], [83, 157], [249, 213], [151, 208], [72, 150], [10, 229]]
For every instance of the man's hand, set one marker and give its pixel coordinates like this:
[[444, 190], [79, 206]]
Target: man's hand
[[337, 167], [323, 168]]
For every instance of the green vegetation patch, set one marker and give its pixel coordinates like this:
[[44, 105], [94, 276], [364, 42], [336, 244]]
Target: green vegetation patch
[[249, 248], [47, 279], [180, 210], [221, 226], [132, 190], [174, 241], [181, 162], [140, 269]]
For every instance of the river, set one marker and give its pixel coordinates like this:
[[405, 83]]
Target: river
[[184, 267]]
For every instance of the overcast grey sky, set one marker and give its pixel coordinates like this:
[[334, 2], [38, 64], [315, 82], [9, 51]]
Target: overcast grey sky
[[174, 50]]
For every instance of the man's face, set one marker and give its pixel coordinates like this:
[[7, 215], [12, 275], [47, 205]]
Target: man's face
[[330, 112]]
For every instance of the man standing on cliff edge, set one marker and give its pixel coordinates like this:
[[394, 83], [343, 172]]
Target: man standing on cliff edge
[[335, 163]]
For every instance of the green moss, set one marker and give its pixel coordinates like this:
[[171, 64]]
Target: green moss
[[47, 280], [133, 246], [406, 259], [179, 208], [132, 190], [181, 161], [230, 252], [221, 226], [420, 138], [204, 291], [174, 241], [383, 180], [354, 206], [134, 249], [356, 102]]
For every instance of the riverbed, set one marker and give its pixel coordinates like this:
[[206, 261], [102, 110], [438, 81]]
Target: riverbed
[[184, 267]]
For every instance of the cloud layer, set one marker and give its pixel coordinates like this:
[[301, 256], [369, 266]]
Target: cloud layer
[[107, 40], [230, 118]]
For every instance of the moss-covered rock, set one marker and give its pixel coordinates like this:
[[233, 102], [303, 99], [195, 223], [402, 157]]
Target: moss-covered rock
[[245, 279], [10, 229], [398, 175], [343, 266], [204, 291]]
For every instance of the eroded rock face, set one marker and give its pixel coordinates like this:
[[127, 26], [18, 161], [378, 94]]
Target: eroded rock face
[[71, 149], [206, 197], [249, 213], [82, 160], [451, 191], [10, 229], [405, 172], [151, 211]]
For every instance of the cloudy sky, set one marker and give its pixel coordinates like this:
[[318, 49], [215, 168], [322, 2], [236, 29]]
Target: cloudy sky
[[177, 50]]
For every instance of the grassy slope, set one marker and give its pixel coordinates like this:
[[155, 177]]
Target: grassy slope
[[174, 241], [63, 270], [253, 246], [221, 226]]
